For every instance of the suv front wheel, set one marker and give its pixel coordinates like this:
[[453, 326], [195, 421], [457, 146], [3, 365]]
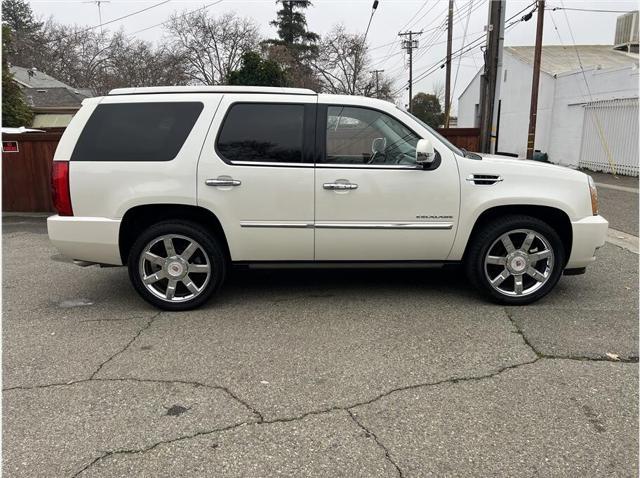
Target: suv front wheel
[[516, 259], [176, 265]]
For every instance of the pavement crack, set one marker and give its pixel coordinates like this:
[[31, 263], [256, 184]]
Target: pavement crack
[[157, 444], [584, 358], [122, 350], [221, 388], [521, 333], [369, 433], [581, 358]]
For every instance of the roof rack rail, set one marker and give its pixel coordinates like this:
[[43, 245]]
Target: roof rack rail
[[211, 89]]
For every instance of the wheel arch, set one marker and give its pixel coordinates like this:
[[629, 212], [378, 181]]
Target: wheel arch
[[554, 217], [140, 217]]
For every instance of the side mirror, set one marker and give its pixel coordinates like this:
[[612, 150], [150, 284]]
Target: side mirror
[[379, 145], [425, 153]]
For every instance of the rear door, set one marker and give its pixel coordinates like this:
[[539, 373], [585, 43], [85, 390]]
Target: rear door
[[373, 202], [256, 174]]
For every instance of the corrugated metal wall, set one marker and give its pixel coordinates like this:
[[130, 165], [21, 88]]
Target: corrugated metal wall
[[612, 125]]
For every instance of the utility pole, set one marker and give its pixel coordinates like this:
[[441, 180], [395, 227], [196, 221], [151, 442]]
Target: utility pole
[[376, 72], [410, 45], [490, 78], [447, 97], [533, 112]]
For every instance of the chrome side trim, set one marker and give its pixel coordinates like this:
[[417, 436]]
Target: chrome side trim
[[384, 225], [367, 166], [271, 163], [348, 225], [276, 224]]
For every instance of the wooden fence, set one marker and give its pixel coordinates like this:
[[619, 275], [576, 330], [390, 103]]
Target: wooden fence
[[26, 181], [26, 173], [467, 138]]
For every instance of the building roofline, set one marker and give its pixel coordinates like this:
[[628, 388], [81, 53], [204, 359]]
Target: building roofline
[[469, 84]]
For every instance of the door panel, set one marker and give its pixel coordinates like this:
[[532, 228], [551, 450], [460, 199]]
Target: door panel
[[262, 191], [391, 210]]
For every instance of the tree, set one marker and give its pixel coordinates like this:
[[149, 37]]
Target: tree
[[25, 30], [292, 30], [15, 111], [18, 16], [427, 108], [438, 90], [211, 47], [137, 63], [344, 66], [296, 47], [256, 71]]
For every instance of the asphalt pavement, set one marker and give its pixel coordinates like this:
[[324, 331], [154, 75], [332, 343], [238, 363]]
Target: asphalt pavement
[[315, 373]]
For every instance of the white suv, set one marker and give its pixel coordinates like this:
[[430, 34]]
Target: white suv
[[180, 183]]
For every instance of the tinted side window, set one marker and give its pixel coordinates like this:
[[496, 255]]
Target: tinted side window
[[136, 131], [364, 136], [262, 132]]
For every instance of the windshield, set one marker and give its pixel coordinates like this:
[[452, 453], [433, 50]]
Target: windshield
[[447, 143]]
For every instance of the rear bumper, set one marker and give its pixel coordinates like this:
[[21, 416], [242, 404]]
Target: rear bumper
[[92, 239], [589, 234]]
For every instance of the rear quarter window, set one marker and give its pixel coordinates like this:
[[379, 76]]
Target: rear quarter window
[[136, 131]]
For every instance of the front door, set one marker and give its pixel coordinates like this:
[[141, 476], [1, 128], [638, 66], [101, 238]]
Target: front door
[[256, 175], [373, 203]]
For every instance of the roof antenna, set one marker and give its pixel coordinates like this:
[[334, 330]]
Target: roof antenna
[[98, 4]]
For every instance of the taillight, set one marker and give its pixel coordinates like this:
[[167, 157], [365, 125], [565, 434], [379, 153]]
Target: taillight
[[60, 188]]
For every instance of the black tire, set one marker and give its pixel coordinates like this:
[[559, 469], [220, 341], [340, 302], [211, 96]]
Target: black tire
[[485, 238], [209, 246]]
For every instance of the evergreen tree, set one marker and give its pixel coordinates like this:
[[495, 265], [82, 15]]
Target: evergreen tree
[[26, 31], [15, 111], [18, 16], [292, 30], [296, 48], [256, 71]]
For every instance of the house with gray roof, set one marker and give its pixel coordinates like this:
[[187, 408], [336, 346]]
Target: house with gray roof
[[53, 102], [587, 105]]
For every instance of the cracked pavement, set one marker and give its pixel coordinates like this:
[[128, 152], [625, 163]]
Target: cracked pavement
[[323, 373]]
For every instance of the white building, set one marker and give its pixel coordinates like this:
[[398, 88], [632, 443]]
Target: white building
[[591, 124]]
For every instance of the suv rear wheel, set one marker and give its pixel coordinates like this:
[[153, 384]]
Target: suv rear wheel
[[516, 259], [176, 265]]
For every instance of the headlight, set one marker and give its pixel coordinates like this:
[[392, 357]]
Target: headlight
[[594, 196]]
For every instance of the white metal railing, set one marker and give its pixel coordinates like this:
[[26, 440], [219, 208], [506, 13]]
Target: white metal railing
[[610, 136]]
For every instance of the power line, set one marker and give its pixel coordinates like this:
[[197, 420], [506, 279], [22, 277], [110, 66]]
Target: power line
[[597, 123], [464, 38], [116, 19], [589, 10], [189, 12], [472, 45]]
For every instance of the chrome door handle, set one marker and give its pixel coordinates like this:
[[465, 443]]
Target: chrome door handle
[[223, 181], [340, 186]]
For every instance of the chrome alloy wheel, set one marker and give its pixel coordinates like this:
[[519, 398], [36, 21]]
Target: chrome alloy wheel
[[173, 276], [519, 271]]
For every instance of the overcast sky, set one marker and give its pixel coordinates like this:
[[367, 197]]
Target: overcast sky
[[390, 17]]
